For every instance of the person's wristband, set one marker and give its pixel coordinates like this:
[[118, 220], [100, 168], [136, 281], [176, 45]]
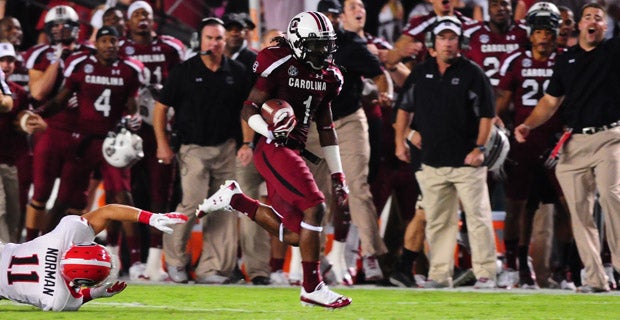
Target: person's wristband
[[24, 120], [249, 144], [481, 148], [144, 216], [410, 135]]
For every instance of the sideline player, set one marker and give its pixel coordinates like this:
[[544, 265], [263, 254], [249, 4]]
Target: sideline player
[[152, 181]]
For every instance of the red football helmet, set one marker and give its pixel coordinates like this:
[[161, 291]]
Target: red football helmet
[[86, 264]]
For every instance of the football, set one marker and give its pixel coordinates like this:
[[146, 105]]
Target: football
[[276, 111]]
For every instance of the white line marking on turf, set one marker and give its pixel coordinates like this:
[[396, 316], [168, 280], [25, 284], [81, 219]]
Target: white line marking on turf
[[145, 306]]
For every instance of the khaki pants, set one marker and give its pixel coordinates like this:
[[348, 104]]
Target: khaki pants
[[255, 241], [441, 189], [591, 163], [10, 211], [203, 170], [352, 132]]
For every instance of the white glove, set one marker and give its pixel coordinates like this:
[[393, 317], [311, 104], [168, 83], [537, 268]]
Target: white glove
[[60, 53], [107, 290], [134, 122], [161, 221]]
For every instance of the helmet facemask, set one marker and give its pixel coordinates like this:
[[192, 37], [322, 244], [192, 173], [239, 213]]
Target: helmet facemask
[[543, 16], [62, 25], [318, 52]]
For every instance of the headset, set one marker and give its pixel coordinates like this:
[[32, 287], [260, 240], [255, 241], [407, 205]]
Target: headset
[[429, 37], [203, 23]]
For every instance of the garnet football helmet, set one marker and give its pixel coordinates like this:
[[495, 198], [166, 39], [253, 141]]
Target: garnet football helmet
[[68, 18], [312, 38], [122, 149], [543, 15], [86, 264]]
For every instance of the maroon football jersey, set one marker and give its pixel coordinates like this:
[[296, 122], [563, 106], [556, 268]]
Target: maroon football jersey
[[488, 49], [102, 91], [527, 79], [287, 78], [380, 43], [20, 74], [158, 57], [39, 58], [9, 136]]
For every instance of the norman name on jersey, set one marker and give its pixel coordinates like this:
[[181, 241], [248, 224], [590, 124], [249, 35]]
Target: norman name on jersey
[[51, 271]]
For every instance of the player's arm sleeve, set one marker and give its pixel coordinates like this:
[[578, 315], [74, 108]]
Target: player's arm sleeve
[[265, 69]]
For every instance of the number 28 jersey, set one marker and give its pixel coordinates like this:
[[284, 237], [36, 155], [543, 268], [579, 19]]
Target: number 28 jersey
[[31, 270], [488, 49], [284, 77]]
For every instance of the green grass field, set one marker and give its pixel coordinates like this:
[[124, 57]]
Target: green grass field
[[250, 302]]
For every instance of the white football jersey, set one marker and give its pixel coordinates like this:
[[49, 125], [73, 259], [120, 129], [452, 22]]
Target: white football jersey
[[31, 270]]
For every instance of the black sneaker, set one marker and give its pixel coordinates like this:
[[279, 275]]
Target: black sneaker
[[261, 281], [400, 279], [464, 278], [526, 281]]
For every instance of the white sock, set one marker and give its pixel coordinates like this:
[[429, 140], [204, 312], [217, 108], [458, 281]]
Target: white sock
[[153, 264]]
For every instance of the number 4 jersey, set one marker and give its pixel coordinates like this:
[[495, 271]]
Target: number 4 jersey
[[30, 271], [102, 90]]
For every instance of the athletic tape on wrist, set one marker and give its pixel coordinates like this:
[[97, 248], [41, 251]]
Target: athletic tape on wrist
[[410, 135], [281, 233], [311, 227], [23, 120]]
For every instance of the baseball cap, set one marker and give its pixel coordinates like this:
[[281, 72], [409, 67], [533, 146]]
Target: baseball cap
[[248, 20], [331, 6], [7, 50], [139, 5], [106, 31], [447, 23], [231, 19]]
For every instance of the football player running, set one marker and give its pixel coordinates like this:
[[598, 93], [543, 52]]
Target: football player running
[[63, 269], [298, 70]]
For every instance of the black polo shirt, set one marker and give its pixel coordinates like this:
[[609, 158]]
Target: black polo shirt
[[354, 61], [590, 83], [247, 57], [207, 104], [447, 109]]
